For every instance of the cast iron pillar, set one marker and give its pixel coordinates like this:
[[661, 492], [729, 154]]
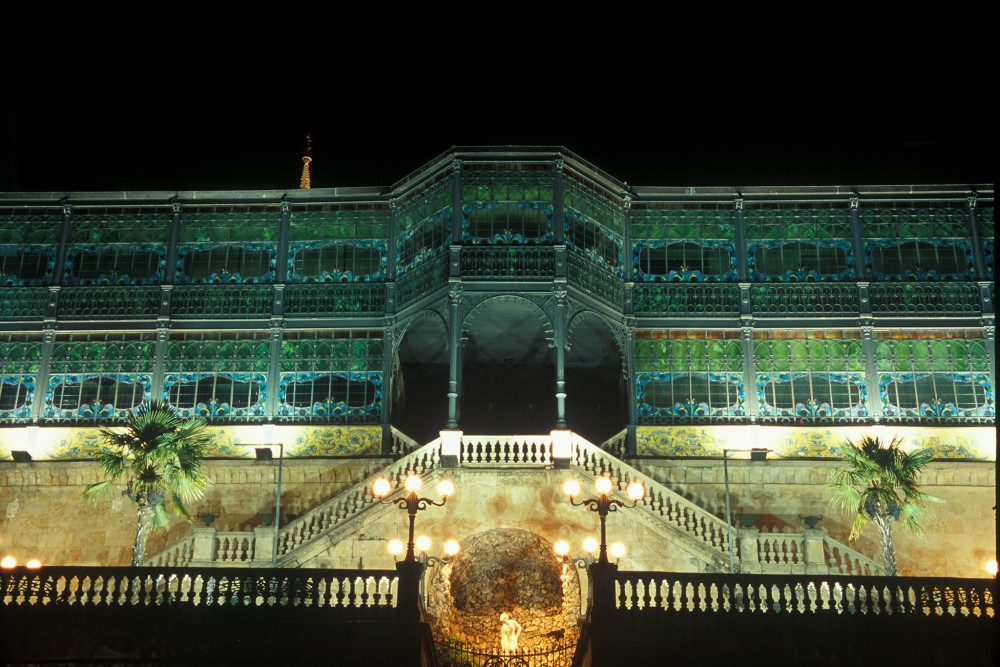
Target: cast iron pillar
[[559, 338], [454, 358]]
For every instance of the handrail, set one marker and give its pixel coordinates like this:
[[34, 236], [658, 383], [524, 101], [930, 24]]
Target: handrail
[[842, 559]]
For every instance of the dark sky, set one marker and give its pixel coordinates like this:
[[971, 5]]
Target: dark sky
[[241, 137]]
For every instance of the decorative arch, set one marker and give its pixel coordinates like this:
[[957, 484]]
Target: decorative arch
[[596, 377], [419, 383]]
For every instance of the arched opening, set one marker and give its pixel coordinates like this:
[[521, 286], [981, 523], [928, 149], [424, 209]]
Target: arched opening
[[420, 378], [596, 404], [508, 369]]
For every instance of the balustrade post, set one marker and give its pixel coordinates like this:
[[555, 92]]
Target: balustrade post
[[749, 550], [815, 553], [408, 591], [263, 537], [604, 649], [203, 550]]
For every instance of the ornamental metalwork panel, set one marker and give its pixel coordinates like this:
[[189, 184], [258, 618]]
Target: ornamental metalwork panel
[[689, 376], [109, 303], [331, 376], [228, 245], [20, 361], [593, 221], [29, 240], [925, 299], [508, 204], [23, 303], [331, 243], [600, 283], [799, 242], [117, 246], [934, 376], [805, 299], [925, 241], [508, 263], [810, 376], [683, 242], [225, 301], [423, 224], [220, 376], [331, 300], [99, 377], [416, 284], [984, 218], [689, 300]]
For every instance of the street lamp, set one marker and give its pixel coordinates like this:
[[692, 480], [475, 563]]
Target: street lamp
[[412, 503], [756, 454], [265, 454], [604, 503]]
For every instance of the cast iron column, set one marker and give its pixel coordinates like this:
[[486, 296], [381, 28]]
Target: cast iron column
[[559, 337], [454, 359]]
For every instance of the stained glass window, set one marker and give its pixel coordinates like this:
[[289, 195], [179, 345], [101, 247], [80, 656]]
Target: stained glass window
[[228, 244], [507, 204], [99, 376], [331, 376], [689, 376], [917, 240], [594, 221], [987, 233], [683, 242], [118, 246], [220, 376], [934, 374], [810, 375], [424, 224], [20, 360], [337, 243], [29, 239], [800, 241]]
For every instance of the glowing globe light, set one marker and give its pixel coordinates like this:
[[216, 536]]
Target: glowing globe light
[[571, 487], [991, 567], [446, 488], [380, 487], [617, 549], [8, 562], [590, 545], [603, 485], [33, 564], [413, 483], [395, 547], [423, 543], [635, 491], [561, 547], [451, 548]]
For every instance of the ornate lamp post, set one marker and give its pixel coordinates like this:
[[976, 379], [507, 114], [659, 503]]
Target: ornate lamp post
[[412, 503], [604, 503]]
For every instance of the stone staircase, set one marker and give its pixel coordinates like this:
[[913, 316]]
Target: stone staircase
[[811, 551]]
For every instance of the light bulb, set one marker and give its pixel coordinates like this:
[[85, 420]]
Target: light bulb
[[635, 491], [8, 562], [603, 485], [561, 547], [590, 545], [451, 548], [380, 487], [571, 487], [413, 483], [33, 564], [446, 488], [617, 549], [423, 543], [991, 567], [395, 547]]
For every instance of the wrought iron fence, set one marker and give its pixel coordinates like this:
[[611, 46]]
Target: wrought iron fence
[[452, 653]]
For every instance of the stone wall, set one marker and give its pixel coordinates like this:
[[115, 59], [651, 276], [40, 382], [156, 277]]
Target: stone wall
[[960, 532], [43, 513]]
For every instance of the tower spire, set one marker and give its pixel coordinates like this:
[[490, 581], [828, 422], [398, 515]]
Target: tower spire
[[304, 180]]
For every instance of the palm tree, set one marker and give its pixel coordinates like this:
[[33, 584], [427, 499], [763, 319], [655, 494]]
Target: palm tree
[[880, 487], [158, 455]]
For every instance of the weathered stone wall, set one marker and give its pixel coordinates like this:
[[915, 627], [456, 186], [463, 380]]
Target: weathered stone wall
[[43, 513], [960, 532]]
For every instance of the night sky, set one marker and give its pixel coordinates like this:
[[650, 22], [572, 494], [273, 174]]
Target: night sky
[[237, 138]]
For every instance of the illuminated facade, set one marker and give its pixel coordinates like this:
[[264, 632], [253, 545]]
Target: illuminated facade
[[504, 290]]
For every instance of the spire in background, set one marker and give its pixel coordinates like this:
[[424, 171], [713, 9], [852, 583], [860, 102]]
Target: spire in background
[[304, 181]]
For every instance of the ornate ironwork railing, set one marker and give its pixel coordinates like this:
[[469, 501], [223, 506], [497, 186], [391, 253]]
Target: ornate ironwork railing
[[689, 300], [650, 595], [508, 262], [335, 299], [591, 278], [366, 593], [230, 301], [805, 299], [456, 654], [925, 298], [421, 279], [23, 303], [103, 303]]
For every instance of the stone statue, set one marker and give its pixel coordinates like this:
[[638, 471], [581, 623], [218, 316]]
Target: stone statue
[[510, 630]]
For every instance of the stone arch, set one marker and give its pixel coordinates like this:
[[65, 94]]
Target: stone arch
[[419, 405], [505, 570], [507, 368], [596, 378]]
